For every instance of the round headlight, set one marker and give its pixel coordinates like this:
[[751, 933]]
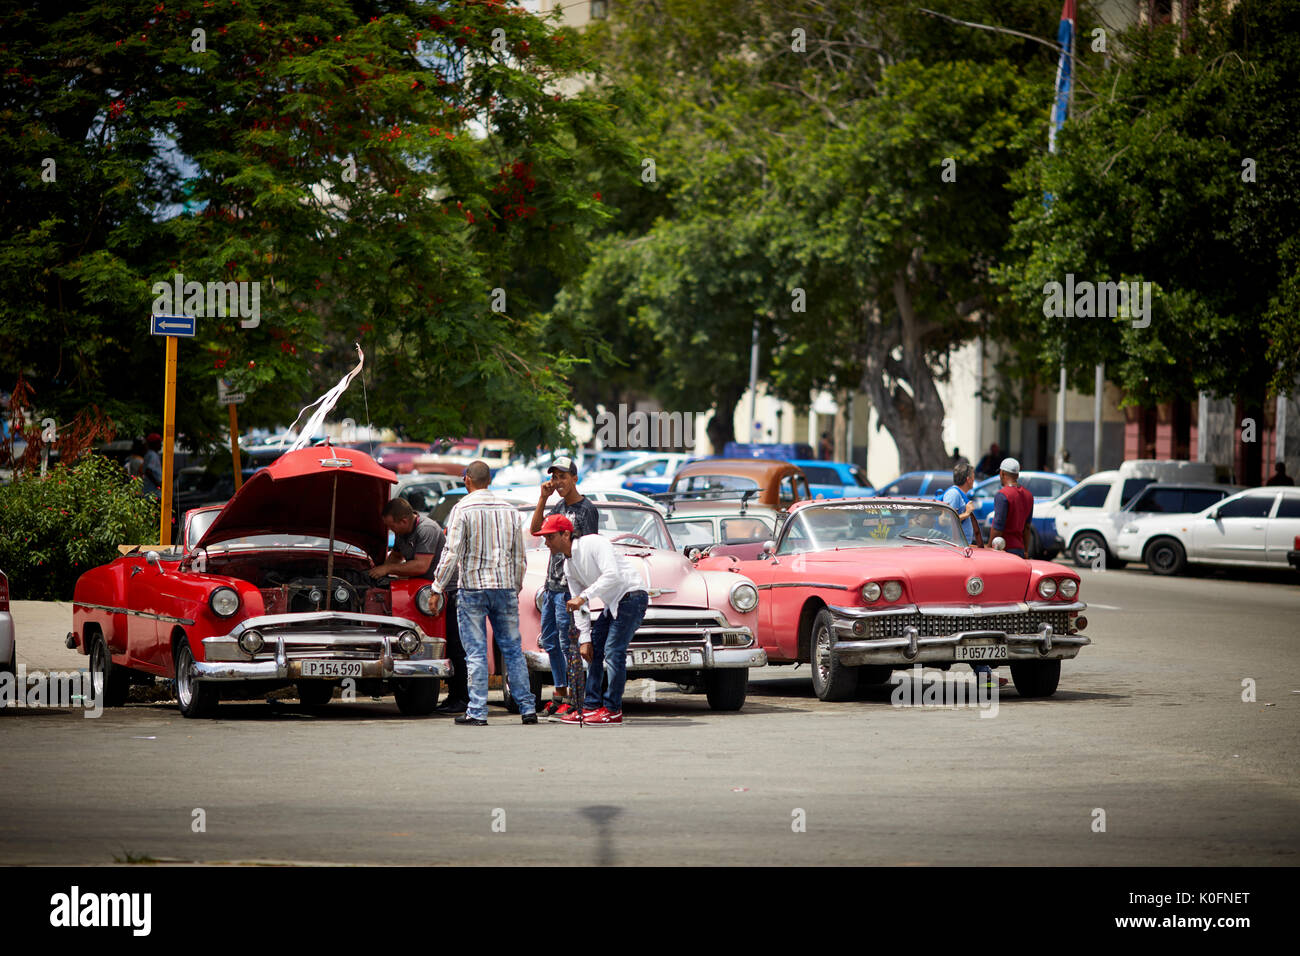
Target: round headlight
[[424, 600], [871, 591], [224, 602], [341, 594], [1047, 588], [1069, 587], [251, 641], [893, 590], [408, 641], [744, 597], [316, 595]]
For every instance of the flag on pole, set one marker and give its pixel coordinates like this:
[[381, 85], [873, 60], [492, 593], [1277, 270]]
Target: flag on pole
[[1064, 74]]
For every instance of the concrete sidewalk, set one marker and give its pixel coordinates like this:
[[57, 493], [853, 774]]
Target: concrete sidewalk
[[40, 628]]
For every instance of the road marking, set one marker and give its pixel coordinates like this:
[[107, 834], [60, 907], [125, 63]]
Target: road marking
[[1104, 607]]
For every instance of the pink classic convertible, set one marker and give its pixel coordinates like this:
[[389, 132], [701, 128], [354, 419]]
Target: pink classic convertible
[[700, 624]]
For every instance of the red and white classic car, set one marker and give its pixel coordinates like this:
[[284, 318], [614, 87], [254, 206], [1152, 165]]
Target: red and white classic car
[[859, 587], [699, 627], [270, 589]]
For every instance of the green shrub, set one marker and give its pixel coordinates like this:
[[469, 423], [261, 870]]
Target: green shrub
[[54, 529]]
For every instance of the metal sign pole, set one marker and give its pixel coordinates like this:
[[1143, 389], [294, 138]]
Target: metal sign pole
[[169, 443], [234, 445]]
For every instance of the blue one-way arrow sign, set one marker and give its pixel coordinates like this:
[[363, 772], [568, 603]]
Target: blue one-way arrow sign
[[185, 325]]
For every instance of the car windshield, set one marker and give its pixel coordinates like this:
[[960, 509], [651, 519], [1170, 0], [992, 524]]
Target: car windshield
[[617, 519], [868, 525]]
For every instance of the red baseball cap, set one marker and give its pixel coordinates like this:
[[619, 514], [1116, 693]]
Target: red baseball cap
[[554, 523]]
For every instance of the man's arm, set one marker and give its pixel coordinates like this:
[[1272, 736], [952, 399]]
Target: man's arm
[[517, 558], [452, 551], [539, 513], [999, 511], [414, 568]]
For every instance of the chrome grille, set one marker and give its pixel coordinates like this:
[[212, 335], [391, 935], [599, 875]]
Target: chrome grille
[[943, 625], [682, 626]]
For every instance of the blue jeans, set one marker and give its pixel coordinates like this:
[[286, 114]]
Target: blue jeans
[[610, 637], [501, 607], [555, 634]]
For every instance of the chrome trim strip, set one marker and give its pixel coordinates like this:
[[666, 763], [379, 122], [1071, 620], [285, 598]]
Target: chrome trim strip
[[122, 610], [802, 584]]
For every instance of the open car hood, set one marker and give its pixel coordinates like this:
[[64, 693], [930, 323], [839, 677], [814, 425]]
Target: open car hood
[[292, 496]]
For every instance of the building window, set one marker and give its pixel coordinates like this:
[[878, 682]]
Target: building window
[[599, 9]]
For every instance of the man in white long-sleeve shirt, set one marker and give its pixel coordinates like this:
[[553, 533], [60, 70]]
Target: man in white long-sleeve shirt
[[596, 572]]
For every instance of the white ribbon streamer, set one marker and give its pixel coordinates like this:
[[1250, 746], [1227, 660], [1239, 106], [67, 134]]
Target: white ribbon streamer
[[325, 405]]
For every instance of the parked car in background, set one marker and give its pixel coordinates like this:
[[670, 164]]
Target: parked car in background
[[1253, 528], [698, 628], [589, 463], [1042, 541], [834, 479], [1110, 491], [400, 457], [779, 451], [8, 641], [1097, 533], [917, 484], [527, 494], [859, 587], [652, 473], [255, 598], [423, 491], [698, 520], [778, 483]]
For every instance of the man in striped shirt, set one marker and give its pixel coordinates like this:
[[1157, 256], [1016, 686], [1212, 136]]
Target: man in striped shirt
[[486, 543]]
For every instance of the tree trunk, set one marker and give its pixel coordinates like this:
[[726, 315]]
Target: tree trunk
[[914, 415], [722, 426]]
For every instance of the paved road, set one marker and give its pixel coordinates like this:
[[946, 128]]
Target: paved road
[[1149, 726]]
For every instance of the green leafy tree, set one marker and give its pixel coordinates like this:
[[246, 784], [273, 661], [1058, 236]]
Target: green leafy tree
[[1180, 171], [381, 169]]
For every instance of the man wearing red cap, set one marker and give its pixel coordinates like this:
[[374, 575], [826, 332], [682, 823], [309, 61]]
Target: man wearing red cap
[[595, 571]]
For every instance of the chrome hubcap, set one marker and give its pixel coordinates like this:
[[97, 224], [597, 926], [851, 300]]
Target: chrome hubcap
[[822, 655], [183, 689], [97, 670], [1088, 549]]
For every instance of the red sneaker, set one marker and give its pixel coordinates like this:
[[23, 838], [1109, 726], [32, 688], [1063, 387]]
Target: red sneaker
[[562, 711], [585, 717], [604, 718]]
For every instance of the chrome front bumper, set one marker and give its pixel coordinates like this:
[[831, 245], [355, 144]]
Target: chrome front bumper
[[702, 657], [369, 640], [911, 647]]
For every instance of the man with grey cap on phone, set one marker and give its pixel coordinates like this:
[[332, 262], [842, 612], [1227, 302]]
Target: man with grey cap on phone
[[556, 621]]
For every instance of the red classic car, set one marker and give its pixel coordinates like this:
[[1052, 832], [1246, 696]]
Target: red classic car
[[860, 586], [699, 627], [255, 597]]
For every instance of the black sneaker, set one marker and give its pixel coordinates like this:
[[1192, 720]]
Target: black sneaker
[[472, 721], [528, 719]]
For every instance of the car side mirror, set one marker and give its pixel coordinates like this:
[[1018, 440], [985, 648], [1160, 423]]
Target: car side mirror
[[769, 546], [154, 558], [1065, 504], [1213, 515]]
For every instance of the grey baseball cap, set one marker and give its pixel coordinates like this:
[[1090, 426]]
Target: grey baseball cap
[[1010, 465], [563, 463]]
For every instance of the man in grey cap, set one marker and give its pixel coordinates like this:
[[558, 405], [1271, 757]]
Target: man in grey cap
[[1013, 507], [555, 616]]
